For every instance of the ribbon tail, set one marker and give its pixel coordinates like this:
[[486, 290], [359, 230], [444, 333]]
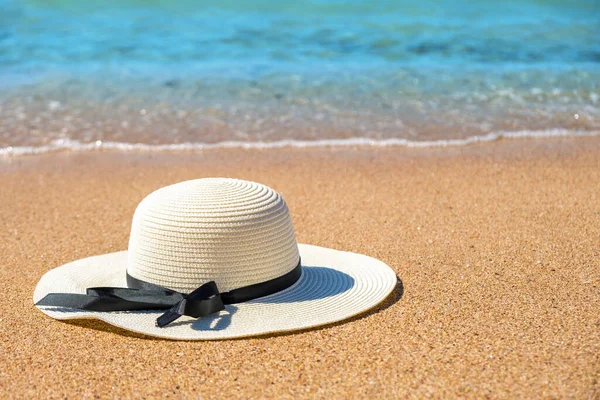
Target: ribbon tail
[[113, 299], [171, 314], [161, 298]]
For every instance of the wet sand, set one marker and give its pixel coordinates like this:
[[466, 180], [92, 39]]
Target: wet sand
[[497, 247]]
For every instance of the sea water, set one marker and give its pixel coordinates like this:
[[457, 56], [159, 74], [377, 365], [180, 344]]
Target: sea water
[[183, 74]]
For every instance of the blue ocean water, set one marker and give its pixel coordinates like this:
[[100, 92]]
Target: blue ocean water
[[206, 72]]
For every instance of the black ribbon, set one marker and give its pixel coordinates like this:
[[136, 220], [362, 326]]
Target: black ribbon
[[141, 295]]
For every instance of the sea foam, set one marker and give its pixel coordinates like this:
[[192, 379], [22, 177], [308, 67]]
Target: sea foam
[[78, 146]]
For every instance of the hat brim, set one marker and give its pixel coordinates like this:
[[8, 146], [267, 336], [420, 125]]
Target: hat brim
[[335, 285]]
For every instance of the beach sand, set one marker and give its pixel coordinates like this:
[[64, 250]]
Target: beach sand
[[497, 247]]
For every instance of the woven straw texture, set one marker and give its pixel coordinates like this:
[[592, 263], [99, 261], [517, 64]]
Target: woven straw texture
[[335, 285], [236, 233]]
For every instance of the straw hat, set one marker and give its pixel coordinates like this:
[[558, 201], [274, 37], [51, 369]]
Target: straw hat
[[215, 258]]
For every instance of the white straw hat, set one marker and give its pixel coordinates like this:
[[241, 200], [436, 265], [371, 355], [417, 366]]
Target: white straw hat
[[222, 255]]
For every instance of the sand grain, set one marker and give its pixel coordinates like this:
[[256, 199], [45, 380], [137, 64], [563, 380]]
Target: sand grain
[[497, 246]]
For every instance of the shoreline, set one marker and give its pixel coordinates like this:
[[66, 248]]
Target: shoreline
[[365, 142], [496, 245]]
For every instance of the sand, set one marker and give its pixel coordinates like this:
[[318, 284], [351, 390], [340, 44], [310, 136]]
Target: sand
[[497, 247]]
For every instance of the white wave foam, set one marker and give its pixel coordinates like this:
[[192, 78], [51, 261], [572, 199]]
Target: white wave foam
[[75, 145]]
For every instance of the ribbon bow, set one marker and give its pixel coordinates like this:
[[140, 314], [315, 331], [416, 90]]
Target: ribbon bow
[[143, 295], [201, 302]]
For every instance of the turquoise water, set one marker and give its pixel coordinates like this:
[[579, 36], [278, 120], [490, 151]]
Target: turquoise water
[[165, 72]]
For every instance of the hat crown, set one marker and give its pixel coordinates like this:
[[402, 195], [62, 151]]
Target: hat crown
[[234, 232]]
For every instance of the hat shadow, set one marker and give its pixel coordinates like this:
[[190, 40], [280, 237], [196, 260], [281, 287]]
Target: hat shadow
[[327, 282], [323, 281], [342, 282]]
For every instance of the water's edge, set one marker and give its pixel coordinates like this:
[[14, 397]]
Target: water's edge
[[77, 146]]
